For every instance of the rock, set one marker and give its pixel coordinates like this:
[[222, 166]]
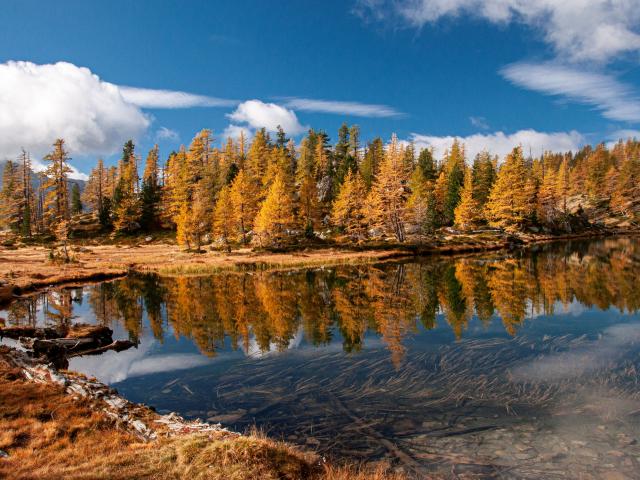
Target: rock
[[148, 239]]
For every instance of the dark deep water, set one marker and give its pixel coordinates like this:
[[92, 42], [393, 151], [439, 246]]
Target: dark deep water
[[509, 365]]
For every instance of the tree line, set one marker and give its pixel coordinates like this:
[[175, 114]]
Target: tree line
[[270, 191]]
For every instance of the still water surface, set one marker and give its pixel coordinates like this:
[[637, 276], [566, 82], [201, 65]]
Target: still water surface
[[506, 365]]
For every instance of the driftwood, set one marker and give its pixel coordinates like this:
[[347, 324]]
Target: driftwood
[[29, 332], [57, 347], [117, 346]]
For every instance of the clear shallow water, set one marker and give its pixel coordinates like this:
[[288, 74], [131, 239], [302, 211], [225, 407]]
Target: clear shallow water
[[509, 366]]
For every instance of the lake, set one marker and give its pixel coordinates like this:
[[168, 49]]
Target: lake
[[507, 365]]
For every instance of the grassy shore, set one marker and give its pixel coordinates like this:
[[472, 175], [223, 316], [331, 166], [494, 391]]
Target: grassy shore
[[49, 432], [25, 268]]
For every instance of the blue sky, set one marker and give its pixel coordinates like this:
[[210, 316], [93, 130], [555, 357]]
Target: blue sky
[[543, 73]]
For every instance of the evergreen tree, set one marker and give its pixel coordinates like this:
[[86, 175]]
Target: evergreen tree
[[484, 175], [150, 191], [421, 205], [76, 202], [427, 165], [371, 162], [454, 165]]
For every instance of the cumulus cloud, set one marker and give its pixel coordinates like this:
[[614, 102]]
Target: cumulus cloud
[[342, 108], [500, 143], [577, 30], [39, 103], [150, 98], [616, 341], [257, 114], [234, 131], [616, 100]]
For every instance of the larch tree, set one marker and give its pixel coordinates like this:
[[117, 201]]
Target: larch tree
[[562, 185], [510, 200], [440, 193], [200, 221], [95, 188], [467, 214], [245, 205], [421, 205], [223, 218], [9, 201], [348, 212], [25, 195], [547, 197], [388, 195], [275, 218], [128, 209], [56, 202], [626, 194]]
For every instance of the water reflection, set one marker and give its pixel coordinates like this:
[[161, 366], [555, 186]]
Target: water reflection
[[501, 366], [260, 312]]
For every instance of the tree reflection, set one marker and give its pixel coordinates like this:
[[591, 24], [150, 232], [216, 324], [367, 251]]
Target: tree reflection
[[263, 311]]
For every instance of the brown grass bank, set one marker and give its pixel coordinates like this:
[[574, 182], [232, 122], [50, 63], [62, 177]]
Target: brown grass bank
[[49, 433]]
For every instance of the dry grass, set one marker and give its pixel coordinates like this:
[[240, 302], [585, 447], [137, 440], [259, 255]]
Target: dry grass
[[50, 435]]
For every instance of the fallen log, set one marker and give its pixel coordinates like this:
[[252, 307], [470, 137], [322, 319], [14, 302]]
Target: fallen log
[[118, 346], [30, 332]]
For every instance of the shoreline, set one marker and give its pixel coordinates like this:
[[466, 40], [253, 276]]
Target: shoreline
[[104, 434], [26, 270]]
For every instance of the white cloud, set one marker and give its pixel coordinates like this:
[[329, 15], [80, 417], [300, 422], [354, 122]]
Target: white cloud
[[342, 108], [500, 144], [257, 114], [164, 133], [479, 122], [577, 30], [39, 103], [150, 98], [616, 100], [233, 131], [614, 343]]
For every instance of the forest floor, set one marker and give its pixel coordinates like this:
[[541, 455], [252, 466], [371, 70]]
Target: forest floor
[[26, 268]]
